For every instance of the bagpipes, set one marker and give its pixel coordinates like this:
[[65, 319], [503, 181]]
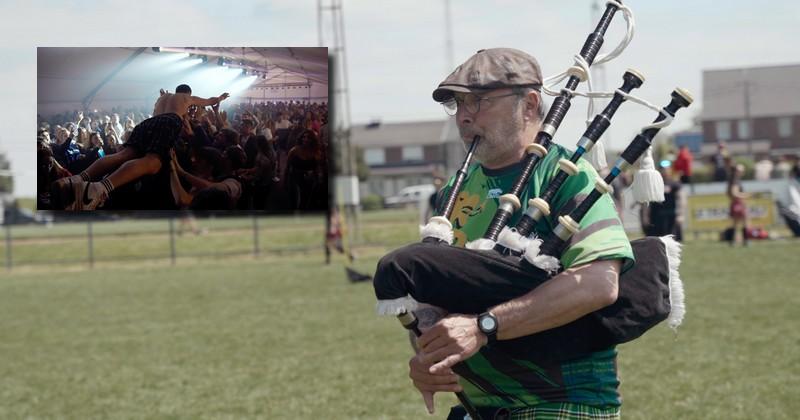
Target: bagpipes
[[470, 281], [506, 263]]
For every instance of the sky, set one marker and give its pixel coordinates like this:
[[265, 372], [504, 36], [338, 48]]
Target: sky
[[396, 51]]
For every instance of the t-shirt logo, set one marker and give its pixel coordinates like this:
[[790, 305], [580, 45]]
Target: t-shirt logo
[[494, 193], [467, 206]]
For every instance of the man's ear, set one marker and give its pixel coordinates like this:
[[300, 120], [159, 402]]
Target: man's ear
[[532, 104]]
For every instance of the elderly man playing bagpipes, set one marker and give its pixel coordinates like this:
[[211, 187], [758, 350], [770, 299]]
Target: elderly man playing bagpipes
[[523, 322]]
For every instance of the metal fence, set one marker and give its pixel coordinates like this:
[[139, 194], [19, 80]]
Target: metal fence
[[93, 241]]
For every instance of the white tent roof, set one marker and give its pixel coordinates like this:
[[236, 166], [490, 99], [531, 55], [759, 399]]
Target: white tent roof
[[69, 78]]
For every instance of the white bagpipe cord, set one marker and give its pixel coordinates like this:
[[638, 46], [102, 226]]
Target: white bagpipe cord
[[596, 155], [648, 185]]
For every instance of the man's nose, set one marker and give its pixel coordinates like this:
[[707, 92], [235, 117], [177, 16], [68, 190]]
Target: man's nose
[[463, 117]]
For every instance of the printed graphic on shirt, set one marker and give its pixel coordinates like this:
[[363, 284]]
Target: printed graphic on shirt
[[467, 205]]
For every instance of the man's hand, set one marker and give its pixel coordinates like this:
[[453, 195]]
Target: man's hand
[[453, 339], [176, 166], [428, 384], [187, 126], [224, 96], [162, 92]]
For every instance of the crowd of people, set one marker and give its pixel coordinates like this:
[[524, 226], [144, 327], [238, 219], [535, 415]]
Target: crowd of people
[[667, 217], [249, 156]]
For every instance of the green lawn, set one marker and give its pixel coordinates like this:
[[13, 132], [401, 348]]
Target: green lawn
[[285, 336]]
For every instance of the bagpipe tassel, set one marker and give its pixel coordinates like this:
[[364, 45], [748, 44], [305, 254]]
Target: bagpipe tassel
[[597, 156], [676, 296], [648, 186]]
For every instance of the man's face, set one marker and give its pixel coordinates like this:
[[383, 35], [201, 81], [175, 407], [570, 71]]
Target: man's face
[[61, 134], [499, 122]]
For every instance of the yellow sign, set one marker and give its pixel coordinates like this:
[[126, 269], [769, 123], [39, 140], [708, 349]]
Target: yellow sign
[[711, 211]]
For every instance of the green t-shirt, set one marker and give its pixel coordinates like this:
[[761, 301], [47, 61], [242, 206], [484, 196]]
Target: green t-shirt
[[507, 382]]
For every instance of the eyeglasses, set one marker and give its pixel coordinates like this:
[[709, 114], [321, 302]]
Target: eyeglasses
[[471, 103]]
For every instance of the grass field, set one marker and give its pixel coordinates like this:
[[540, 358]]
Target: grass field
[[285, 336]]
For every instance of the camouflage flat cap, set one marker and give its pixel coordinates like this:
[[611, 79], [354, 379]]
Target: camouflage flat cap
[[493, 68]]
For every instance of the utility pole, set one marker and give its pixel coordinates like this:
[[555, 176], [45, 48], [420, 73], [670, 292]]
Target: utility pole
[[346, 182], [747, 116], [448, 27]]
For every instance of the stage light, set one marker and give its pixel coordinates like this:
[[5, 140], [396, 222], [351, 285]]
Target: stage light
[[221, 61], [156, 49], [204, 58], [244, 72], [185, 64]]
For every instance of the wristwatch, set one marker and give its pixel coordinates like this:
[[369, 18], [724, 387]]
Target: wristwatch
[[487, 323]]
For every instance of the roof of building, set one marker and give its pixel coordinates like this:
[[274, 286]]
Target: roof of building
[[773, 91], [412, 133]]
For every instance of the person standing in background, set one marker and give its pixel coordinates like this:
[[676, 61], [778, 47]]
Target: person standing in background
[[683, 165], [738, 208]]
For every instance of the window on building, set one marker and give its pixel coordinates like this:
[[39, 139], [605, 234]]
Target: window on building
[[388, 188], [374, 156], [375, 185], [412, 153], [785, 127], [743, 129], [723, 130]]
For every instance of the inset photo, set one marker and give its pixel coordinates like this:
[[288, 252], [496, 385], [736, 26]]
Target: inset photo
[[162, 128]]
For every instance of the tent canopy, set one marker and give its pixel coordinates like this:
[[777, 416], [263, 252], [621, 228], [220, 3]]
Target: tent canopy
[[78, 78]]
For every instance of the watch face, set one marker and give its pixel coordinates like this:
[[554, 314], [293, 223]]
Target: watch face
[[488, 323]]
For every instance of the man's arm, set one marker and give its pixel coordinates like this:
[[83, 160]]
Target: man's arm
[[182, 198], [564, 298], [194, 100], [256, 121], [196, 182]]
